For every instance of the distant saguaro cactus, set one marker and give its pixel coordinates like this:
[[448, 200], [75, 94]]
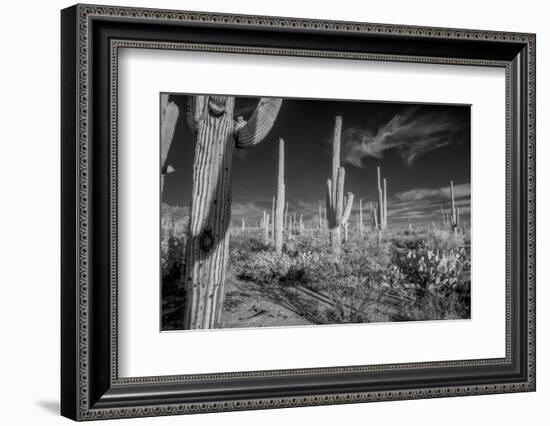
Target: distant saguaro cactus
[[272, 228], [288, 223], [265, 228], [169, 112], [443, 218], [280, 201], [338, 209], [207, 251], [360, 217], [382, 207], [455, 214], [374, 214]]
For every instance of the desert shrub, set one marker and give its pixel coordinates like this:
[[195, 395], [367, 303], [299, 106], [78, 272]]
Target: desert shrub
[[355, 301], [171, 263], [407, 275], [242, 248], [316, 242], [266, 267], [436, 282], [354, 284], [408, 241], [172, 270], [251, 242], [312, 268], [456, 305]]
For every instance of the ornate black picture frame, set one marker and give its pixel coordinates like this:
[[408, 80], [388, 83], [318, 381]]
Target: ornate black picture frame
[[91, 36]]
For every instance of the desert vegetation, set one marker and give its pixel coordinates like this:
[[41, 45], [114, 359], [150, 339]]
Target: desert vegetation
[[291, 268], [399, 275]]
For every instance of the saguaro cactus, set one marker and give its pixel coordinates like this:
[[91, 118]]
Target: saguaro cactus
[[360, 217], [266, 229], [443, 218], [373, 210], [288, 223], [280, 202], [169, 112], [338, 209], [382, 207], [455, 214], [207, 251], [272, 228]]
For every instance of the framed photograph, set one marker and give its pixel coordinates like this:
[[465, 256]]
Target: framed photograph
[[263, 212]]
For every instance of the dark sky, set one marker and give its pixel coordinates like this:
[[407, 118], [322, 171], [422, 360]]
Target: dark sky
[[419, 147]]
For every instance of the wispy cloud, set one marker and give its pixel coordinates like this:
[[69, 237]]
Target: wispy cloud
[[443, 194], [412, 133], [425, 203]]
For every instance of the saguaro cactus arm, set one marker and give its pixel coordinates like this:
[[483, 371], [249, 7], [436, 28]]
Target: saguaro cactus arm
[[347, 209], [251, 132], [169, 117], [329, 202]]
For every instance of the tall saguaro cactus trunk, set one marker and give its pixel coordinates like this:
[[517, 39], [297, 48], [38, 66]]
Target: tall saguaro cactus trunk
[[360, 217], [207, 250], [382, 207], [265, 228], [280, 201], [338, 209], [273, 220], [455, 215]]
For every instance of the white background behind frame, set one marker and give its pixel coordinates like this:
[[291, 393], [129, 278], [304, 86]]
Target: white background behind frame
[[143, 351], [30, 359]]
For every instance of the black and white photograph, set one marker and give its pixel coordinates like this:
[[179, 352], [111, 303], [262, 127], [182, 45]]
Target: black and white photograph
[[279, 212], [261, 208]]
